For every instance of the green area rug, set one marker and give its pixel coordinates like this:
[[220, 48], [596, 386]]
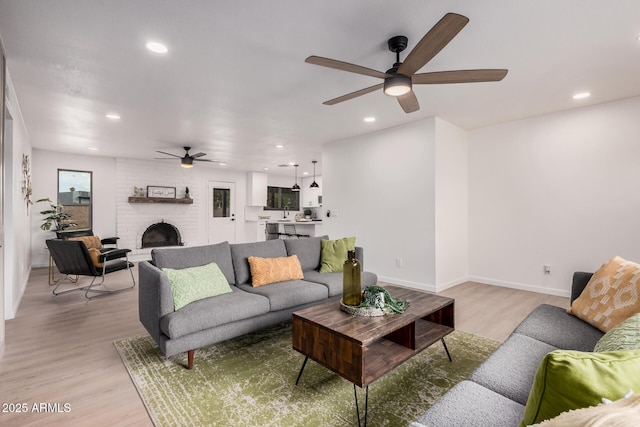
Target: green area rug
[[250, 381]]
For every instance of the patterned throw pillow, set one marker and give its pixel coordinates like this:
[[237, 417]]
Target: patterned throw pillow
[[611, 296], [625, 336], [272, 270], [196, 283], [334, 253]]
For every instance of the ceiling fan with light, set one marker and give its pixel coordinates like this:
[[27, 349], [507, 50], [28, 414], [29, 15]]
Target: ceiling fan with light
[[399, 79], [187, 160]]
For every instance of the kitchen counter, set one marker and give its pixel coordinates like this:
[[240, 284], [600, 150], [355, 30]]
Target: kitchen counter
[[312, 228]]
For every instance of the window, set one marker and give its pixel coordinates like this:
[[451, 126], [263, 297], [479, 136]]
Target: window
[[280, 197]]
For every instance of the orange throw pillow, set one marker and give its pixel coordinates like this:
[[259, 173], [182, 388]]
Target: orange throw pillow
[[611, 296], [272, 270]]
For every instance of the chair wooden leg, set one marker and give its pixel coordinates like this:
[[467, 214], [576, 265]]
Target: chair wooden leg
[[190, 355]]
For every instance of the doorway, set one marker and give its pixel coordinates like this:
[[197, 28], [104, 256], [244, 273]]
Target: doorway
[[221, 211]]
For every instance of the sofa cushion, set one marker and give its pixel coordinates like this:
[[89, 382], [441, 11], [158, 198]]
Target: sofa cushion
[[611, 296], [333, 281], [307, 250], [240, 253], [271, 270], [292, 293], [510, 370], [196, 283], [624, 336], [211, 312], [471, 405], [552, 325], [334, 252], [569, 379], [194, 256]]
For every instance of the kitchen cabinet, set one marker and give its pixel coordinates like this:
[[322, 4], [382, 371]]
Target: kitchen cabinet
[[256, 189], [256, 231]]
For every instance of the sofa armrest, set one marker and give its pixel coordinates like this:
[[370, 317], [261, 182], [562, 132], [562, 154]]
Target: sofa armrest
[[580, 280], [154, 298]]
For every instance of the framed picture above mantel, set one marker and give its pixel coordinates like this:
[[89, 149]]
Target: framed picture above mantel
[[161, 192]]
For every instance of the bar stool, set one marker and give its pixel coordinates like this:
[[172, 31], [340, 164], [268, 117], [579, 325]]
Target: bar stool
[[272, 231], [290, 231]]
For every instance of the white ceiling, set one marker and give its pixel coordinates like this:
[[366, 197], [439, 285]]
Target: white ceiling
[[234, 83]]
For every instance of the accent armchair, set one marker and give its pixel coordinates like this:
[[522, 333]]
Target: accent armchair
[[74, 258]]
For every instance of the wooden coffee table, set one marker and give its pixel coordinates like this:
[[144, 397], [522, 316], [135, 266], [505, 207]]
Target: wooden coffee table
[[363, 349]]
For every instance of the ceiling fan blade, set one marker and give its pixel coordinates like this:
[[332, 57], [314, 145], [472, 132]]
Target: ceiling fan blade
[[353, 94], [168, 154], [163, 158], [409, 102], [433, 42], [459, 76], [345, 66], [206, 160], [198, 155]]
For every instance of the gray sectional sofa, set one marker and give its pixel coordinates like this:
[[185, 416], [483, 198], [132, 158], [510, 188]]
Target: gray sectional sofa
[[496, 392], [245, 309]]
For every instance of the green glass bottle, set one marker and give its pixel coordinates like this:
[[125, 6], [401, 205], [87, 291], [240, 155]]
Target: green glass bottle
[[351, 292]]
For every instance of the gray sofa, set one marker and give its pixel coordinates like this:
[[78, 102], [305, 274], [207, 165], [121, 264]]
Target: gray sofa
[[245, 309], [496, 392]]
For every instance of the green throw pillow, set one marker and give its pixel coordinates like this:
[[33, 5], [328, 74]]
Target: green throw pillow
[[567, 380], [334, 253], [623, 336], [196, 283]]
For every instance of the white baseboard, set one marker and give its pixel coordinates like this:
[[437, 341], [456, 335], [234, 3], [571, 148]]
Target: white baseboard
[[522, 286], [441, 287], [408, 284]]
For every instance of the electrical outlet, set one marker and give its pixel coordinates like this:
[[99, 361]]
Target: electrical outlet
[[547, 269], [399, 262]]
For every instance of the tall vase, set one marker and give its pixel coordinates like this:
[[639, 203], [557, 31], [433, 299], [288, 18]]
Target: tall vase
[[351, 292]]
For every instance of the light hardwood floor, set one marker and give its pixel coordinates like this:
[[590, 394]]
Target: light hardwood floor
[[60, 349]]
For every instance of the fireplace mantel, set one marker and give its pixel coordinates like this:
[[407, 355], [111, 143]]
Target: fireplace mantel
[[160, 200]]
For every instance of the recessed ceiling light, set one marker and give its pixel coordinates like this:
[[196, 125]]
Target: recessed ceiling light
[[113, 116], [305, 173], [279, 146], [223, 164], [265, 169], [582, 95], [93, 148], [156, 47], [292, 163], [369, 119]]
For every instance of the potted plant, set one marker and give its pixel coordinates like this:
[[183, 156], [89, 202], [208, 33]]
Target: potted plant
[[55, 219]]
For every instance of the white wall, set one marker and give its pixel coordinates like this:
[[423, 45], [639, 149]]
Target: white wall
[[560, 189], [381, 186], [451, 205], [191, 220], [45, 182], [17, 225]]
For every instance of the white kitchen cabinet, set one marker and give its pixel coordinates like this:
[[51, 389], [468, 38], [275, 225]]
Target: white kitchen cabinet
[[256, 189]]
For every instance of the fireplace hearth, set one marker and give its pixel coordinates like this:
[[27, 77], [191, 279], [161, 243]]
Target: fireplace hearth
[[161, 234]]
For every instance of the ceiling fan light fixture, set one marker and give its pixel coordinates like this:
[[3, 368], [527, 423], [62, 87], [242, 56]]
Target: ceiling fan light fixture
[[397, 85], [187, 162]]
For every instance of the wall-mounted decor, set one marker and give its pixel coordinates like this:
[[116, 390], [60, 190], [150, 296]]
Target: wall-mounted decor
[[26, 181], [161, 192]]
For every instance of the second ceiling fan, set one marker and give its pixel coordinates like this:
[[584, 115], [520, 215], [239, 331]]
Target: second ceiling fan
[[399, 79]]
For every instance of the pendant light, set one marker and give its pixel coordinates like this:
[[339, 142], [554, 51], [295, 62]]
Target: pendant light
[[296, 187], [314, 185]]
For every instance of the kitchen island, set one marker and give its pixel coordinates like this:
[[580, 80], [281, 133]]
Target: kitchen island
[[312, 228]]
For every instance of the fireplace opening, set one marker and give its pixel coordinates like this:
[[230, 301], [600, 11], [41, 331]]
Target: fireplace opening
[[161, 234]]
